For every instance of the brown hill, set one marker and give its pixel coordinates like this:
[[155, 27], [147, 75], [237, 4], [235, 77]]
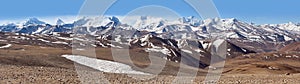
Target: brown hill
[[291, 47]]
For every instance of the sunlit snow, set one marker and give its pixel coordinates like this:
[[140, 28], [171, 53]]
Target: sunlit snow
[[104, 65], [6, 46]]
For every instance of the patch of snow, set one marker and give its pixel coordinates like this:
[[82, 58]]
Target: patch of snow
[[187, 51], [93, 45], [20, 37], [114, 46], [288, 56], [295, 56], [205, 45], [3, 40], [23, 50], [228, 50], [135, 41], [153, 46], [212, 67], [144, 44], [104, 65], [172, 51], [165, 58], [254, 38], [6, 46], [79, 39], [232, 35], [118, 38], [162, 50], [286, 38], [244, 50], [171, 43], [43, 40], [38, 31], [146, 38], [199, 50], [101, 44], [64, 38], [176, 61], [273, 68], [60, 42], [79, 49]]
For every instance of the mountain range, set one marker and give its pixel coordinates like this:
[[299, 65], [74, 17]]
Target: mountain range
[[182, 28], [187, 39]]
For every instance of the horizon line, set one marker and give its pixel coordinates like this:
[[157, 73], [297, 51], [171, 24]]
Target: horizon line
[[73, 18]]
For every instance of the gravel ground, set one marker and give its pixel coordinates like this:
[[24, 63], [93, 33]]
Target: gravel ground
[[10, 74], [46, 66]]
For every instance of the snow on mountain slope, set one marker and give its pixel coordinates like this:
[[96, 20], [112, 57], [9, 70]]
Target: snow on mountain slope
[[98, 21], [191, 20], [289, 26], [151, 24], [5, 46], [187, 40], [34, 21], [237, 29], [12, 27], [183, 28], [60, 22]]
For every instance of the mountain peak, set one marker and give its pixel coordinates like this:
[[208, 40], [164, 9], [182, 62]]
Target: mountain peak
[[233, 19], [192, 20], [144, 17], [34, 21], [115, 20], [60, 22]]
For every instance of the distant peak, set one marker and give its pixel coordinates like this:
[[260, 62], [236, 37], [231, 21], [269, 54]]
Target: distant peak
[[217, 19], [290, 23], [59, 22], [34, 21], [234, 19], [191, 17], [144, 17], [115, 20]]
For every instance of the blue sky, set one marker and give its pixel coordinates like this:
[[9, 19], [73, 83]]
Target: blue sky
[[257, 11]]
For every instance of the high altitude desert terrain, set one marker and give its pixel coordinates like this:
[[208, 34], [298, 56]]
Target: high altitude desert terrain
[[37, 62]]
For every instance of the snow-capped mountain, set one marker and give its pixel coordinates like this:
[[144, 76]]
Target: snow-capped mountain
[[183, 28], [60, 22], [233, 28], [151, 24], [191, 20], [186, 39], [12, 27], [289, 26], [97, 21], [34, 21]]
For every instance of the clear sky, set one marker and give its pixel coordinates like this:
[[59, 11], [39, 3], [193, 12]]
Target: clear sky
[[257, 11]]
